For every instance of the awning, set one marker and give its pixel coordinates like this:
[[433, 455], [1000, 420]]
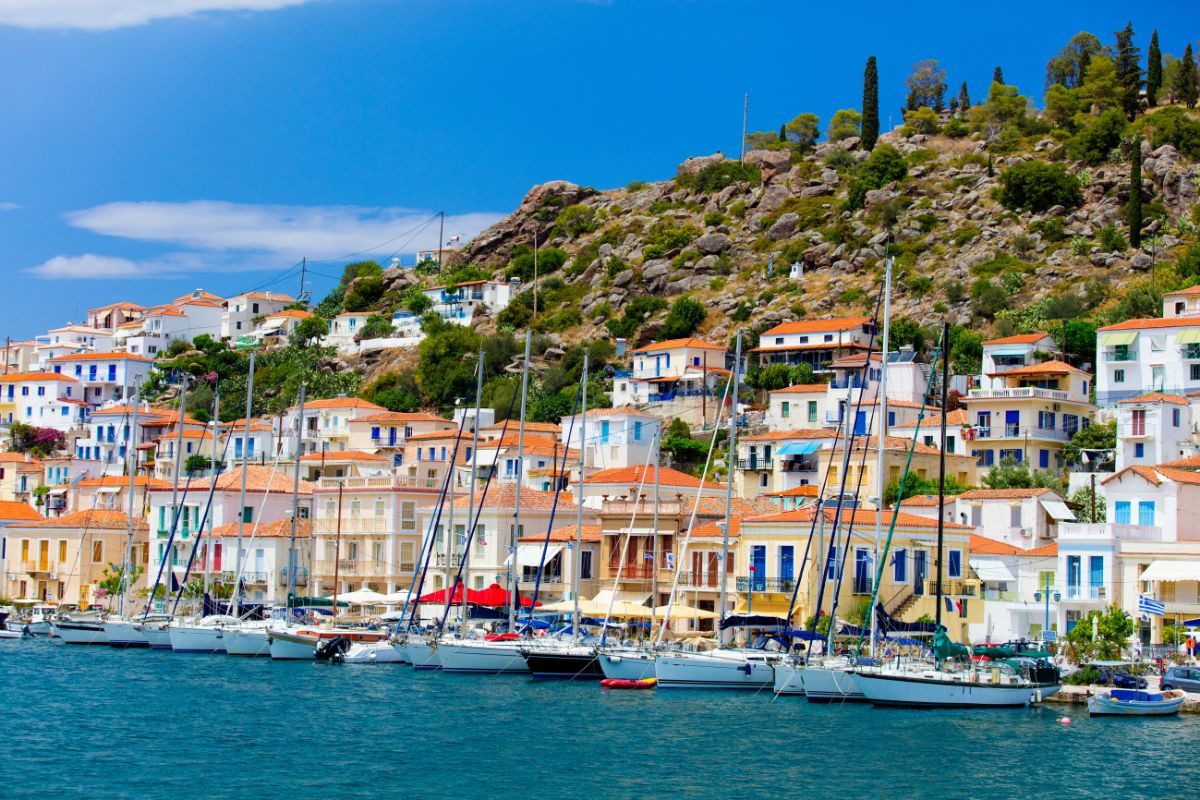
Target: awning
[[530, 555], [1171, 571], [270, 327], [631, 597], [1190, 336], [989, 569], [1058, 509], [1118, 337], [59, 490], [1010, 352], [797, 448], [108, 489], [486, 458]]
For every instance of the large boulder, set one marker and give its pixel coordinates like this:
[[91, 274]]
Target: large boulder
[[771, 162], [773, 198], [712, 243], [495, 244], [697, 163], [784, 227]]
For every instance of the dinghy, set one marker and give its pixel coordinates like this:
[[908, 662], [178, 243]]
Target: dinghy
[[1135, 703]]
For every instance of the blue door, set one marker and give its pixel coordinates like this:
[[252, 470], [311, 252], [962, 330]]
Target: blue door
[[604, 431], [860, 423], [787, 563], [391, 437], [758, 567], [919, 571]]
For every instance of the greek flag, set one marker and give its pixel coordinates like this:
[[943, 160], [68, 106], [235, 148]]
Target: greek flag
[[1153, 607]]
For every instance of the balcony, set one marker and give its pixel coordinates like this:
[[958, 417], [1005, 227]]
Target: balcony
[[301, 576], [1132, 430], [1103, 531], [1118, 356], [754, 463], [700, 580], [1003, 597], [1017, 432], [635, 572], [833, 417], [1018, 393], [1190, 352], [745, 584], [385, 481], [1001, 368], [1085, 593], [259, 576], [799, 465]]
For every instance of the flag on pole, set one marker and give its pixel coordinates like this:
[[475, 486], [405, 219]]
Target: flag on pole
[[1150, 606]]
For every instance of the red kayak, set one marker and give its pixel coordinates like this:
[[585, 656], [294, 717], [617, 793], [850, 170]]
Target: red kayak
[[625, 683]]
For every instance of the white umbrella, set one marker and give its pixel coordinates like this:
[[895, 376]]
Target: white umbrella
[[362, 597], [396, 598]]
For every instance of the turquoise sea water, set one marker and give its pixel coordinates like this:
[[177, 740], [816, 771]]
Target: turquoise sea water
[[95, 722]]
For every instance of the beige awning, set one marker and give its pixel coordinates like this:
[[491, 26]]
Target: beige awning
[[1189, 336], [1171, 571], [1058, 509], [1118, 337], [680, 611]]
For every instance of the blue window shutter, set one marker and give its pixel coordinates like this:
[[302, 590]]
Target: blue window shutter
[[1122, 509], [1146, 512]]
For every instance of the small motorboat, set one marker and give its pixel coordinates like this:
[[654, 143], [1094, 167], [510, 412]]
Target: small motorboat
[[1135, 703], [622, 683]]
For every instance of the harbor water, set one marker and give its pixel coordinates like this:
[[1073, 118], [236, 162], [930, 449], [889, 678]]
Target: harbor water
[[100, 723]]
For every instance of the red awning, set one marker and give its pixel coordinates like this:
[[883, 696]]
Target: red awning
[[494, 596]]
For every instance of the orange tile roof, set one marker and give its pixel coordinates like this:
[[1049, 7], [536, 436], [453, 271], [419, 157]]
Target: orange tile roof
[[101, 357], [291, 312], [591, 533], [18, 377], [123, 410], [1045, 368], [794, 433], [1155, 397], [258, 479], [1190, 290], [807, 490], [449, 433], [344, 455], [859, 517], [1189, 462], [16, 510], [956, 417], [276, 529], [123, 304], [1020, 338], [1148, 473], [890, 443], [714, 506], [94, 519], [1152, 322], [197, 302], [199, 294], [343, 402], [503, 496], [983, 546], [672, 343], [856, 359], [818, 326], [164, 312], [11, 458], [285, 298], [802, 388], [537, 427], [716, 530], [1002, 494], [617, 411], [400, 416], [123, 482], [926, 501], [1180, 475], [632, 476]]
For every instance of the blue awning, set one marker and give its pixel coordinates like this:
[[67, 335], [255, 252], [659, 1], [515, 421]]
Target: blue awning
[[1010, 352], [797, 448]]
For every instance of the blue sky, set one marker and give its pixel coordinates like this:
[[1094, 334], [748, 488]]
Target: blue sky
[[149, 147]]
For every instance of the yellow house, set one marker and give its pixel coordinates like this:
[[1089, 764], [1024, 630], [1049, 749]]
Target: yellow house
[[863, 463], [389, 430], [20, 474]]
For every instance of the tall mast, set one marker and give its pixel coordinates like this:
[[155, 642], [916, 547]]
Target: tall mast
[[291, 584], [513, 537], [723, 567], [242, 495], [941, 517], [175, 479], [883, 424], [577, 557], [448, 542], [131, 447], [471, 514], [654, 537], [208, 542]]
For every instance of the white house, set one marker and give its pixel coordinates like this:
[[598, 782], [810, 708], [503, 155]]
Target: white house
[[1017, 586], [458, 303], [678, 377], [243, 312], [615, 437], [814, 342], [1012, 352], [43, 399], [1021, 518], [802, 405], [104, 377], [1153, 429], [344, 328], [1151, 355]]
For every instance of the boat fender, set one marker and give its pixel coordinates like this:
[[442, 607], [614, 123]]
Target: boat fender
[[1039, 695], [614, 659], [1064, 720], [747, 668]]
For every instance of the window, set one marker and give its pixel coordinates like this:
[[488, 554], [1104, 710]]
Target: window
[[891, 418], [585, 565], [41, 391], [1043, 459], [97, 552], [1175, 417], [248, 514], [778, 340], [1014, 515], [1118, 376], [375, 432], [1122, 509], [1194, 372], [831, 563], [812, 410], [954, 565], [1046, 420], [695, 361], [1139, 450], [785, 409], [1146, 512], [1095, 570], [900, 566], [637, 430]]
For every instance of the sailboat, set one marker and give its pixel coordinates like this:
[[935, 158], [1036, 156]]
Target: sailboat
[[955, 679]]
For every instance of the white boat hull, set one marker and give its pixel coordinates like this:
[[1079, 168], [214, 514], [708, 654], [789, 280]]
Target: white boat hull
[[10, 634], [788, 679], [124, 633], [485, 658], [199, 639], [158, 634], [251, 642], [39, 628], [80, 632], [920, 690], [421, 654], [287, 647], [713, 670], [629, 665], [373, 653], [830, 684]]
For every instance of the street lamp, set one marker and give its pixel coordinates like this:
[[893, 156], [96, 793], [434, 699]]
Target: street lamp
[[1041, 595]]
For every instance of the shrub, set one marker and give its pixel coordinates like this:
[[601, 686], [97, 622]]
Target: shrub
[[665, 237], [738, 209], [920, 285], [716, 177], [1174, 127], [1095, 142], [987, 299], [1052, 229], [1023, 244], [741, 313], [839, 158], [714, 218], [685, 316], [1003, 262], [1012, 282], [1037, 186], [363, 293], [377, 326], [1080, 246], [549, 261], [884, 165], [955, 129], [575, 220], [966, 235], [1110, 239], [810, 210], [636, 186], [955, 292]]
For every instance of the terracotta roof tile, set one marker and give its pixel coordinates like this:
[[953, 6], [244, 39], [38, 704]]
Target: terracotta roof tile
[[1180, 475], [956, 417], [807, 490], [1190, 462], [1020, 338], [1152, 322], [13, 458], [672, 343], [632, 476], [277, 529], [18, 377], [343, 455], [926, 501], [591, 533], [818, 326], [343, 402], [1188, 291], [1148, 473], [503, 496], [95, 519], [1045, 368], [794, 433], [1155, 397], [1002, 494], [859, 517], [399, 416], [17, 511], [983, 546], [258, 479], [802, 388]]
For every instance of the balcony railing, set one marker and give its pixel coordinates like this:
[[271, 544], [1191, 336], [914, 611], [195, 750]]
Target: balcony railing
[[1001, 596], [1086, 592], [1118, 355], [1010, 431], [754, 463], [799, 465], [301, 576], [1018, 393], [1106, 530], [700, 580], [1145, 430], [229, 576], [384, 481], [747, 584], [1190, 352]]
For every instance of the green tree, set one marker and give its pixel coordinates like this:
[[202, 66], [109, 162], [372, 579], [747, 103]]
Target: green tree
[[1013, 474], [1095, 143], [870, 105], [377, 326], [803, 132], [1101, 436], [802, 375], [1154, 71], [906, 331], [446, 369], [997, 75], [111, 580], [1005, 105], [884, 165], [1129, 71], [915, 485], [844, 125], [683, 319], [1134, 208], [1113, 629], [1062, 106], [549, 261], [1083, 498], [923, 120], [772, 377], [1068, 68], [926, 86], [364, 293], [1077, 338], [308, 331], [418, 303], [1100, 89], [1186, 85], [395, 391], [964, 99], [988, 299], [1037, 186]]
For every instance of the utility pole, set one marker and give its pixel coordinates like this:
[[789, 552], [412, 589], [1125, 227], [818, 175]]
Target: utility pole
[[441, 237], [745, 109], [723, 567], [303, 269]]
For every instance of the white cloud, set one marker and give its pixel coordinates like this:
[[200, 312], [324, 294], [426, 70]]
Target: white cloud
[[230, 237], [105, 15], [10, 206]]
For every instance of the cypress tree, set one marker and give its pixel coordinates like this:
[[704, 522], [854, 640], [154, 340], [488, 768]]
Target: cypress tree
[[783, 133], [964, 99], [1153, 71], [1135, 193], [1187, 82], [870, 107], [1129, 71], [998, 76]]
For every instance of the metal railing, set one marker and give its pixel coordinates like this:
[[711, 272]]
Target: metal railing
[[754, 463], [301, 576], [1085, 592], [747, 584], [799, 465], [1118, 356], [1018, 393], [1132, 430]]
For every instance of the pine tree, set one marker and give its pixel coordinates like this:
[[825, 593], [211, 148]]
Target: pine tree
[[783, 133], [964, 99], [1129, 71], [1135, 193], [1154, 75], [870, 109], [998, 76], [1187, 81]]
